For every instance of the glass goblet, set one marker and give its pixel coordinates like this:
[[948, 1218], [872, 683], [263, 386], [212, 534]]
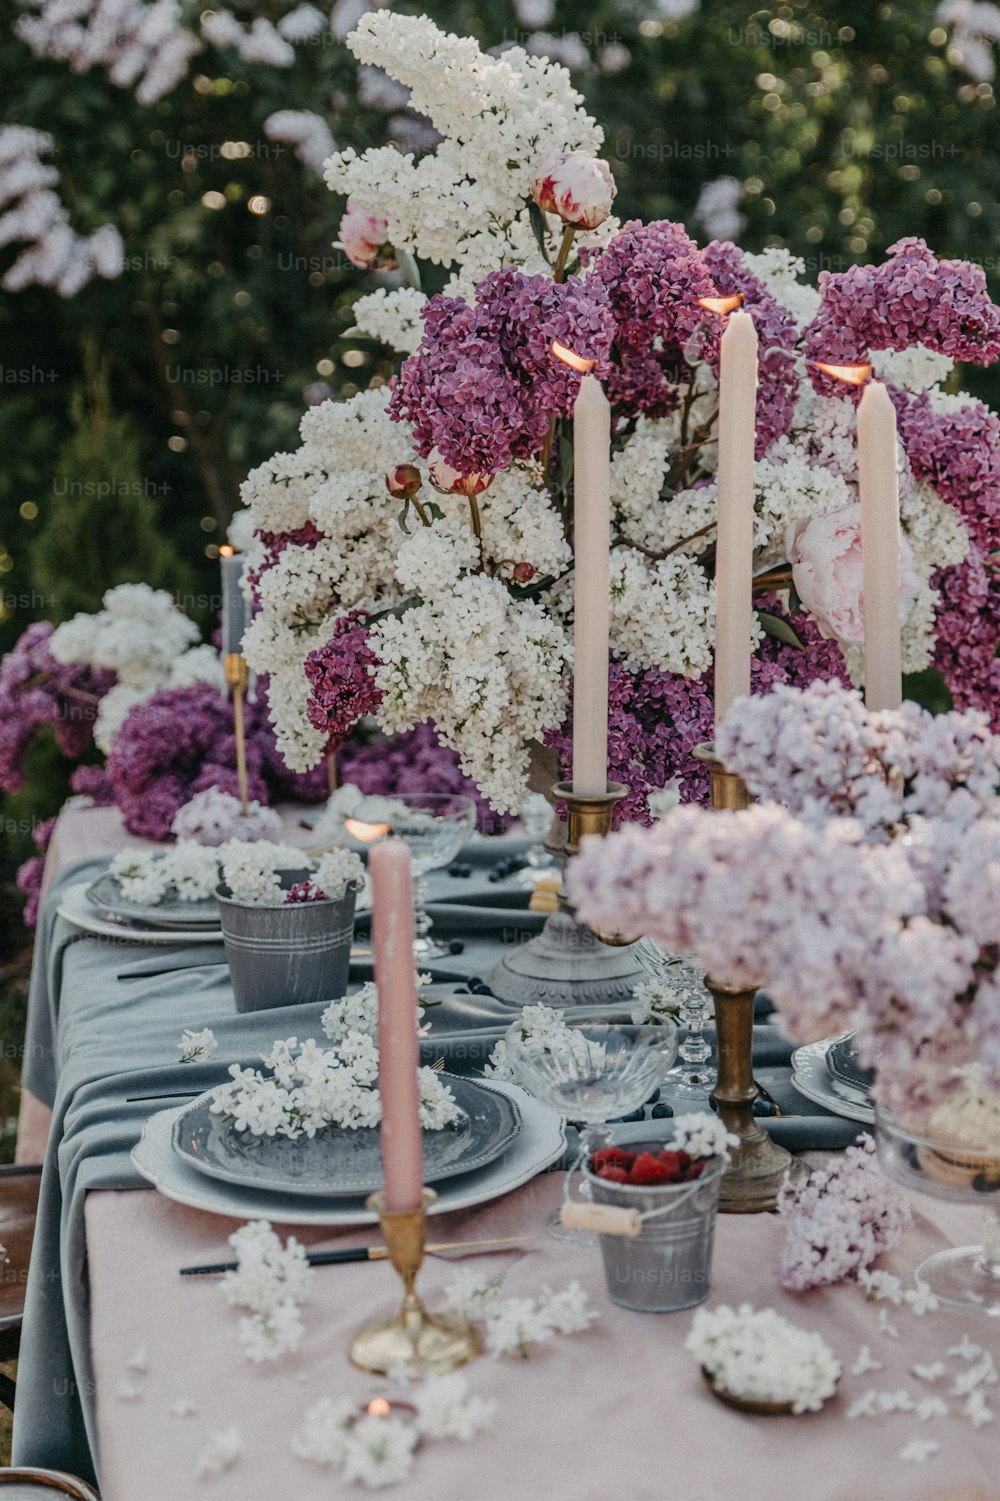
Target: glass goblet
[[966, 1277], [591, 1071], [536, 816], [434, 825]]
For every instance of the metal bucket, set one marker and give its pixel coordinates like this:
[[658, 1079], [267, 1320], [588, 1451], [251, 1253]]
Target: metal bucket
[[667, 1266], [287, 956]]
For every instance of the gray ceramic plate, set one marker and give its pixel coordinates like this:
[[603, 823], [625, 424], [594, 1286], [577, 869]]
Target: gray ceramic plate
[[106, 895], [338, 1163], [846, 1074]]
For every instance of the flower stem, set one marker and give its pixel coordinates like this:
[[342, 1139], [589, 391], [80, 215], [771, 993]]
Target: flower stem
[[477, 527], [564, 248], [418, 507]]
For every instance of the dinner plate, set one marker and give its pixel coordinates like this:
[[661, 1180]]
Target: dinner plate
[[76, 909], [540, 1143], [846, 1074], [812, 1080], [106, 895], [338, 1162]]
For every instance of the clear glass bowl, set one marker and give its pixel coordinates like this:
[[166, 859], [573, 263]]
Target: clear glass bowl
[[592, 1071], [969, 1276]]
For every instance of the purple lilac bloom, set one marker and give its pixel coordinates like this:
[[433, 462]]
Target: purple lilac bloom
[[29, 874], [777, 333], [341, 679], [36, 690], [305, 891], [93, 782], [654, 275], [181, 741], [483, 384], [912, 298]]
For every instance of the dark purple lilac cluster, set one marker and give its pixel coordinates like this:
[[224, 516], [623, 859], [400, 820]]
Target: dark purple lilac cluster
[[341, 679], [36, 690]]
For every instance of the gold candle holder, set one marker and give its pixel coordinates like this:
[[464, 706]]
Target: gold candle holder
[[757, 1165], [238, 676], [419, 1342]]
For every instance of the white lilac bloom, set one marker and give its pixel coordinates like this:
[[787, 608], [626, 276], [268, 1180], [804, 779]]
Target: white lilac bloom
[[220, 1454], [378, 1451], [196, 1047], [762, 1356], [447, 1409], [252, 871], [214, 817]]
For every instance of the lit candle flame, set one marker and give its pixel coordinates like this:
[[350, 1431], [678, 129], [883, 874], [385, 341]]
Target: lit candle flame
[[366, 832], [378, 1407], [851, 375], [568, 357], [225, 551], [722, 305]]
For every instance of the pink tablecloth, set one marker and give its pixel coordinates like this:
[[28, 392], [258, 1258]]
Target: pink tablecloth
[[617, 1412]]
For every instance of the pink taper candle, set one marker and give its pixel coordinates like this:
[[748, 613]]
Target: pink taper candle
[[392, 943], [879, 486], [592, 535], [734, 546]]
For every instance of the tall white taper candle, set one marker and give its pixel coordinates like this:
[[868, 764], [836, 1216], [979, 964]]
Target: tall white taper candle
[[591, 539], [734, 546], [879, 486]]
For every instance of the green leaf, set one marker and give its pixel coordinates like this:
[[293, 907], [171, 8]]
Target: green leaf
[[537, 220], [401, 518], [434, 511], [781, 629], [928, 689], [794, 602], [409, 268]]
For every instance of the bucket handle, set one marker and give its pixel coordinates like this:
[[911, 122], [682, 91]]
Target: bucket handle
[[608, 1219]]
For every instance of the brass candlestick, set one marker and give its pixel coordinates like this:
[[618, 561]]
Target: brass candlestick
[[757, 1165], [419, 1342], [238, 676], [569, 964]]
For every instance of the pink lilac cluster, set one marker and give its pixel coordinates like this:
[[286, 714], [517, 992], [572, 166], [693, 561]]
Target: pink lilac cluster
[[840, 1220], [958, 452], [655, 718], [29, 874], [654, 275], [180, 742], [484, 382], [911, 298], [777, 333], [341, 679], [413, 761], [871, 902], [821, 753], [36, 690]]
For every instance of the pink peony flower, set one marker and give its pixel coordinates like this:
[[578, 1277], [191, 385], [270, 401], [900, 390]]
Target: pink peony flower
[[451, 481], [362, 235], [825, 554], [577, 187]]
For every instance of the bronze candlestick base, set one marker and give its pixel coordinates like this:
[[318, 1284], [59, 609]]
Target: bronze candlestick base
[[416, 1341], [568, 964], [757, 1165], [238, 676]]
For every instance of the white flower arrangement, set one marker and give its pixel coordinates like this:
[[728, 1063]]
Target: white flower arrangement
[[252, 872], [188, 872], [310, 1087], [215, 817], [511, 1325], [762, 1357], [544, 1026], [358, 1012]]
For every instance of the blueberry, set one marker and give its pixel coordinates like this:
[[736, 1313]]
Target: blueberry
[[480, 989], [456, 946], [454, 870], [764, 1108], [661, 1112], [494, 876], [464, 871]]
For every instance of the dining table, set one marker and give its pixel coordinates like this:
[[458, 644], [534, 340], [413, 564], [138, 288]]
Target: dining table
[[129, 1369]]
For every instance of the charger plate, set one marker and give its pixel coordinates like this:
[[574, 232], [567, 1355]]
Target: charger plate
[[341, 1163], [540, 1144]]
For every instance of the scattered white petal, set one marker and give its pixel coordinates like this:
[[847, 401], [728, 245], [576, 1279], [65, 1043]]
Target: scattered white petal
[[127, 1391], [976, 1409], [899, 1401], [921, 1300], [219, 1454], [919, 1450], [966, 1350], [139, 1361], [931, 1407], [865, 1362], [184, 1408], [933, 1371], [886, 1326], [863, 1407]]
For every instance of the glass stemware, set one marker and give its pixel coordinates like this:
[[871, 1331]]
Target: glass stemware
[[434, 825], [591, 1071], [536, 816], [682, 985], [966, 1277]]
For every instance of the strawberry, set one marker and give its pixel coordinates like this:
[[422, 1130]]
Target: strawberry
[[613, 1174], [649, 1169]]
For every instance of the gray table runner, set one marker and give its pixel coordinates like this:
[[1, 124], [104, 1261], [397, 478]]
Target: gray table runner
[[105, 1017]]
